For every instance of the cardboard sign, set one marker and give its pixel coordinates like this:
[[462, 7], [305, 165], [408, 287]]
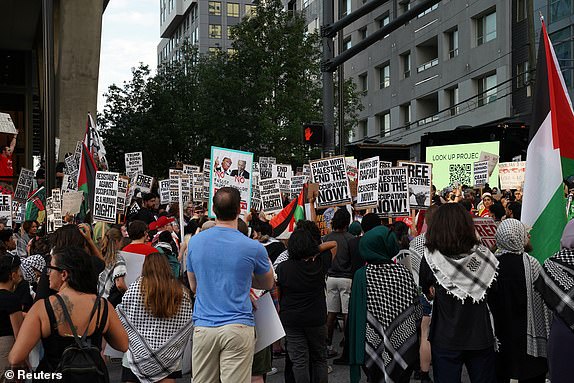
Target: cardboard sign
[[72, 202], [297, 183], [492, 160], [24, 186], [352, 170], [394, 194], [486, 230], [480, 173], [197, 187], [283, 173], [6, 209], [190, 169], [123, 188], [134, 163], [230, 168], [511, 174], [419, 183], [106, 196], [164, 186], [270, 195], [143, 183], [368, 183], [331, 175], [206, 178]]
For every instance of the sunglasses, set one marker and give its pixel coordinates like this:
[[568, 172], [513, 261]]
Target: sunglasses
[[49, 269]]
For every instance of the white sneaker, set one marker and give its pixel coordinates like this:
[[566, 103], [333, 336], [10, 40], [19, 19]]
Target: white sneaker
[[272, 372]]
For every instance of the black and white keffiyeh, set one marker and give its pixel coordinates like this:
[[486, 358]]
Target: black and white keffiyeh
[[417, 250], [156, 345], [109, 275], [393, 308], [556, 284], [30, 264], [469, 276]]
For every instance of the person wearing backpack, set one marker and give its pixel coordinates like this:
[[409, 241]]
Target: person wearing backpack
[[168, 248], [58, 320]]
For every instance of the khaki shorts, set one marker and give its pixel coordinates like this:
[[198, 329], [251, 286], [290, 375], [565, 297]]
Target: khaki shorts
[[338, 294]]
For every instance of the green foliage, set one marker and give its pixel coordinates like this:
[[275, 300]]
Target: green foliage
[[255, 99]]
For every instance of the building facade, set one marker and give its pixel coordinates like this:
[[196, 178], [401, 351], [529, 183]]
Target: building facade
[[206, 24]]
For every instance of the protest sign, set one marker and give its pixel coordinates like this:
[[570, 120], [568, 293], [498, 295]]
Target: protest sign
[[190, 169], [50, 218], [143, 183], [368, 183], [307, 170], [517, 158], [174, 185], [480, 171], [419, 180], [134, 163], [123, 187], [24, 186], [230, 168], [206, 178], [270, 195], [69, 183], [6, 209], [486, 230], [57, 208], [71, 165], [185, 189], [164, 186], [511, 174], [352, 170], [72, 202], [394, 194], [18, 212], [197, 187], [331, 175], [256, 199], [268, 326], [106, 196], [492, 159], [283, 173], [266, 167], [385, 164], [297, 183]]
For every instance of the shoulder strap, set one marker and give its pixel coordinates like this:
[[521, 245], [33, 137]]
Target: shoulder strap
[[79, 341], [51, 316]]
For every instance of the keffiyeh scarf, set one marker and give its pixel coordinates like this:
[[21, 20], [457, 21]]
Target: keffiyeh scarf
[[30, 264], [556, 284], [467, 277], [156, 345]]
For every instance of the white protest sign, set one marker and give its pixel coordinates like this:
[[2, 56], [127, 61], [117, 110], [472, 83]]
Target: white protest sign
[[297, 183], [270, 195], [71, 165], [511, 174], [106, 196], [185, 189], [256, 199], [6, 209], [368, 183], [174, 176], [197, 182], [419, 183], [72, 202], [267, 323], [18, 211], [331, 175], [50, 218], [143, 183], [283, 173], [24, 186], [206, 178], [307, 170], [394, 195], [352, 170], [57, 208], [164, 195], [134, 163], [492, 160], [480, 169], [190, 169], [123, 187], [69, 183], [266, 167], [226, 165], [486, 229]]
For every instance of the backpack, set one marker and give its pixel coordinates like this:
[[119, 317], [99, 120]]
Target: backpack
[[172, 260], [81, 361]]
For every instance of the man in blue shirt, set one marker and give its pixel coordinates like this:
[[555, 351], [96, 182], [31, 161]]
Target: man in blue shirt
[[222, 266]]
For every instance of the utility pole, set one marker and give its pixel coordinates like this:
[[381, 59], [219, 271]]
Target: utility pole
[[49, 105]]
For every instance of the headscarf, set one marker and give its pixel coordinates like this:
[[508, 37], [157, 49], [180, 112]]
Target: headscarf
[[511, 237], [30, 264], [378, 245], [355, 228], [567, 241]]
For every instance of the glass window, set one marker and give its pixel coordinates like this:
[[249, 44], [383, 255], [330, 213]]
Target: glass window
[[229, 32], [347, 43], [406, 115], [486, 28], [215, 8], [214, 31], [214, 49], [232, 9], [487, 90], [562, 41], [521, 10], [363, 128], [522, 74], [453, 101], [231, 51], [453, 43], [429, 10], [363, 33], [559, 9], [364, 83], [384, 124], [384, 21], [250, 9], [406, 63], [384, 76]]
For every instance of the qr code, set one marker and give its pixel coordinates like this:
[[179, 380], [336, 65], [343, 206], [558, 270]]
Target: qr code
[[460, 174]]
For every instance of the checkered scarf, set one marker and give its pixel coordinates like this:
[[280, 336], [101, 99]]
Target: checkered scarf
[[393, 308], [156, 345], [556, 284], [417, 250], [30, 264], [467, 277]]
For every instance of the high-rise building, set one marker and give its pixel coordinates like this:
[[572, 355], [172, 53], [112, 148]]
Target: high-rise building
[[206, 24]]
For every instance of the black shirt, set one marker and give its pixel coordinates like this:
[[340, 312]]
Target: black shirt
[[456, 325], [274, 248], [9, 304], [22, 291], [302, 291], [356, 261], [341, 266]]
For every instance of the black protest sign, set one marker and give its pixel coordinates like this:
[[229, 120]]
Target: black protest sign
[[106, 197], [331, 175], [419, 183], [24, 186], [394, 195]]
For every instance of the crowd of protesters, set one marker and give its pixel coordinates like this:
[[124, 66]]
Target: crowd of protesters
[[415, 299]]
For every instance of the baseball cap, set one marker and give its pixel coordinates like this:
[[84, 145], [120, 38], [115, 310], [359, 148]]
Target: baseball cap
[[161, 221]]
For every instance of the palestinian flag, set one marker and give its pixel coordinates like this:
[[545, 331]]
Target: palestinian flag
[[285, 221], [36, 205], [87, 180], [550, 155]]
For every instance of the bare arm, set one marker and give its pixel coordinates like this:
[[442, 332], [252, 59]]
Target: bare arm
[[16, 320], [13, 144], [329, 245], [263, 281], [192, 281], [86, 232], [32, 327], [115, 334]]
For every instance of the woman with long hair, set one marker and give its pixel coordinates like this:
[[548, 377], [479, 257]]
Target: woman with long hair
[[72, 276], [457, 272], [10, 306], [112, 279], [156, 312]]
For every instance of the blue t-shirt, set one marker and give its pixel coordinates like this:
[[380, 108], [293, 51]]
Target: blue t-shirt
[[223, 261]]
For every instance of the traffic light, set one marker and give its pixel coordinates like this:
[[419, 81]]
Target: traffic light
[[313, 134]]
